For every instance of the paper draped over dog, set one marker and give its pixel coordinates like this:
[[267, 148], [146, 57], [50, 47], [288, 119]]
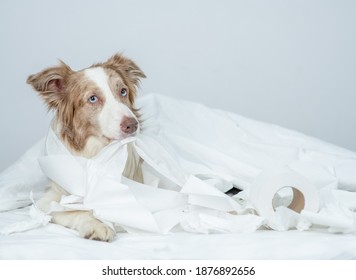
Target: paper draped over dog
[[192, 155]]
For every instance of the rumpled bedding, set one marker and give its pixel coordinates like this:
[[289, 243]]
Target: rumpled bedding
[[193, 155]]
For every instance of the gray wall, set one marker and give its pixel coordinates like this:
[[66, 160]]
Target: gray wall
[[287, 62]]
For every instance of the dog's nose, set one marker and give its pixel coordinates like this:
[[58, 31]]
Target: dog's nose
[[129, 125]]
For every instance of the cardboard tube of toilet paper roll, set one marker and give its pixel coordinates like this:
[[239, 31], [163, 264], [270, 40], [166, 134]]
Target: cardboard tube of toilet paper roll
[[268, 183]]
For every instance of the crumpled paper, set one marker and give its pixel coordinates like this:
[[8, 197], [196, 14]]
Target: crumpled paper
[[187, 170], [97, 185]]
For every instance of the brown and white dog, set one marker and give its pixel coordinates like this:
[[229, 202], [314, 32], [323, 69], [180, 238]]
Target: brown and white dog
[[93, 107]]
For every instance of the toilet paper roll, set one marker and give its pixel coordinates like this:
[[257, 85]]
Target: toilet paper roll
[[268, 183]]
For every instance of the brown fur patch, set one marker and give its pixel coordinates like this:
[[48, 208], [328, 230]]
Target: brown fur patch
[[127, 69]]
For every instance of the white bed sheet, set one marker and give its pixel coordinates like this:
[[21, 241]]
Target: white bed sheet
[[57, 242]]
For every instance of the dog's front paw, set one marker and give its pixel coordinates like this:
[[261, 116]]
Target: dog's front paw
[[96, 230]]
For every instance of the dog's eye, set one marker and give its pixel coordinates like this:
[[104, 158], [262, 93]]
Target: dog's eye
[[123, 92], [93, 99]]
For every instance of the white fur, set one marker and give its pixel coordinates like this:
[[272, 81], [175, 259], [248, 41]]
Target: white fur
[[113, 111]]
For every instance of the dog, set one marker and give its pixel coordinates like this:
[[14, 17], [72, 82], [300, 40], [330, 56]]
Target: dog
[[93, 107]]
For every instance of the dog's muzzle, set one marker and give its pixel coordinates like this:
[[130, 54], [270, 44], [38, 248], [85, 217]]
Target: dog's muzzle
[[129, 125]]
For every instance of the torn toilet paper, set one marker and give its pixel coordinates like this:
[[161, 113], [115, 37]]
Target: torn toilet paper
[[97, 185], [187, 170]]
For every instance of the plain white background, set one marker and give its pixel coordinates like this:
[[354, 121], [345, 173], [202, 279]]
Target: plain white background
[[291, 63]]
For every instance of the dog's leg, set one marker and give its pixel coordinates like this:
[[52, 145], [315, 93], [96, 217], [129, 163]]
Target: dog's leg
[[83, 221]]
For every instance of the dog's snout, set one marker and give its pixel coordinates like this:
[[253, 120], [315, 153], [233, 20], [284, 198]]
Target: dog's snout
[[129, 125]]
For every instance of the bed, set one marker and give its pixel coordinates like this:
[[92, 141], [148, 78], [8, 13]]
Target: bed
[[223, 148]]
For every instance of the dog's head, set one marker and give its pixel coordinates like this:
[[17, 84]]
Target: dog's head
[[96, 102]]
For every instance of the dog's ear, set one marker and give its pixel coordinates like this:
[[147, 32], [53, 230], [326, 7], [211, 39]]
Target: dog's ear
[[51, 84], [128, 70], [126, 66]]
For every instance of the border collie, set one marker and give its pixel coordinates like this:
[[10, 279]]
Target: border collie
[[93, 107]]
